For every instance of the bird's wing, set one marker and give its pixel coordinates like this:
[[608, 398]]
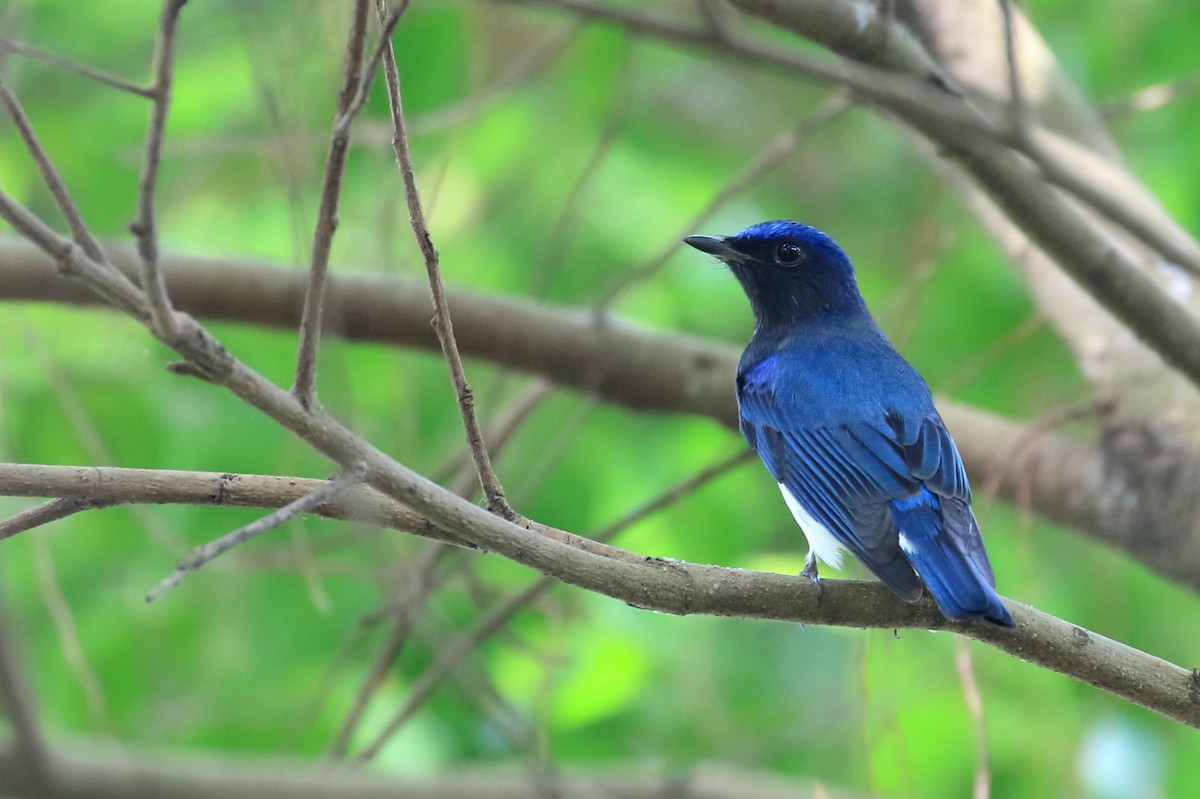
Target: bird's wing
[[847, 476], [933, 459]]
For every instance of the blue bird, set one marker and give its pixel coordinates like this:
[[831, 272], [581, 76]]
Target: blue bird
[[848, 428]]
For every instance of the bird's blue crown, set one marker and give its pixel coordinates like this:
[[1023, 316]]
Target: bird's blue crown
[[791, 270]]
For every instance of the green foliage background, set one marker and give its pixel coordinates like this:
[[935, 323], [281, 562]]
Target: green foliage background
[[262, 654]]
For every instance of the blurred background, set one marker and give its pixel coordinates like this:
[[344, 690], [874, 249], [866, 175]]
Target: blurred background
[[560, 162]]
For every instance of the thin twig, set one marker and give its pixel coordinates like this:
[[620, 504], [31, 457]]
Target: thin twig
[[767, 159], [982, 788], [50, 175], [49, 511], [28, 745], [69, 641], [78, 67], [304, 387], [1016, 100], [558, 238], [528, 64], [428, 580], [145, 226], [492, 490], [449, 656], [352, 97], [500, 431], [213, 549]]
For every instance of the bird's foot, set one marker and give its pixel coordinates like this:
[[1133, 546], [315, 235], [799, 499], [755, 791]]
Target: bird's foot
[[810, 571]]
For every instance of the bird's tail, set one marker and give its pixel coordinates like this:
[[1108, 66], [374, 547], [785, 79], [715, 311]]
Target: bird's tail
[[942, 542]]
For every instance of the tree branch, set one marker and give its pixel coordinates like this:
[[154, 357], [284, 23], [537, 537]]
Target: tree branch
[[78, 67], [213, 549], [493, 491], [47, 512], [685, 588], [145, 227], [92, 772], [27, 751], [110, 485], [327, 221]]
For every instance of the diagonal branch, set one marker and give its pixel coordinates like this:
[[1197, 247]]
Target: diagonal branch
[[492, 490], [78, 67], [327, 221], [47, 512], [28, 749], [145, 226], [50, 175], [770, 157], [213, 549]]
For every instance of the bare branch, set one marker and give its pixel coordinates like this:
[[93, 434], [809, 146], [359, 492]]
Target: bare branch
[[213, 549], [672, 586], [668, 586], [93, 771], [50, 175], [112, 286], [492, 490], [449, 656], [426, 578], [145, 227], [50, 511], [110, 485], [427, 581], [499, 433], [73, 651], [78, 67], [982, 788], [327, 219], [771, 156], [1016, 98], [28, 750]]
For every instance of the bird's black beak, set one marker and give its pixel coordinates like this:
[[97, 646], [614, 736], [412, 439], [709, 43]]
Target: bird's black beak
[[715, 245]]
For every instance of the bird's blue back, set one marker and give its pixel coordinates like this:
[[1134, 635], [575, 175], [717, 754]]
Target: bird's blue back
[[847, 427]]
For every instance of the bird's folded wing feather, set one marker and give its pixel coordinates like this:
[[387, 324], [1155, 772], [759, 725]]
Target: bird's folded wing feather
[[846, 475]]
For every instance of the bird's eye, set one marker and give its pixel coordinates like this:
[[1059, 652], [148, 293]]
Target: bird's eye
[[789, 254]]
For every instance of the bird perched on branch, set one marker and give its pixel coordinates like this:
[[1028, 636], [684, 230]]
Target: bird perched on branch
[[848, 428]]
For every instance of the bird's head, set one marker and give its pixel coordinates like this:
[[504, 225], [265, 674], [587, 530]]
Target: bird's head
[[790, 272]]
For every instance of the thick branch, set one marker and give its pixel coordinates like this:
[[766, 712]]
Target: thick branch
[[91, 773], [117, 486], [664, 585]]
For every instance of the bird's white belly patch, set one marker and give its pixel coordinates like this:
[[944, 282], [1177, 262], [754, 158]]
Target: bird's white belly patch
[[820, 540]]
